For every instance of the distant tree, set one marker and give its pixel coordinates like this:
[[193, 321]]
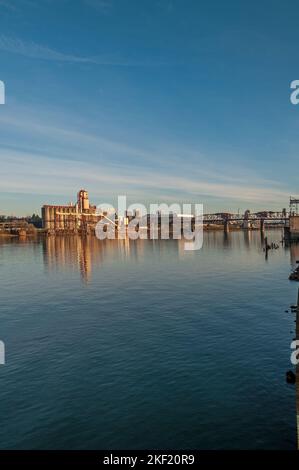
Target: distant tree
[[35, 220]]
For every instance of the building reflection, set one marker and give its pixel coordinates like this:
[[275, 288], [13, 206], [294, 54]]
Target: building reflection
[[294, 251], [70, 253], [85, 254]]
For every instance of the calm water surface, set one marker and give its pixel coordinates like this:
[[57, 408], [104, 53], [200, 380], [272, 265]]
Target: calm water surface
[[138, 344]]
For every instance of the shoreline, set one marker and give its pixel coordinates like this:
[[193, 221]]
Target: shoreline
[[23, 235]]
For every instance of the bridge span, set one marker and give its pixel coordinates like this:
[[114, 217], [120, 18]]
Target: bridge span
[[247, 220]]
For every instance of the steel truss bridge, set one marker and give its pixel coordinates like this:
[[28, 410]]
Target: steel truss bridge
[[250, 217]]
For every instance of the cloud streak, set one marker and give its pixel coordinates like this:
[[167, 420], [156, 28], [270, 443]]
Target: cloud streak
[[33, 50], [24, 172], [52, 163], [72, 141]]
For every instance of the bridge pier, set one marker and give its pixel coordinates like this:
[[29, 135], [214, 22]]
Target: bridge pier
[[246, 224], [262, 225], [226, 226]]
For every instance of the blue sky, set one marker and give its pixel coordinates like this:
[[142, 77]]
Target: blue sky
[[161, 100]]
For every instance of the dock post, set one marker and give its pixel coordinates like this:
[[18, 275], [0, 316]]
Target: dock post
[[266, 244]]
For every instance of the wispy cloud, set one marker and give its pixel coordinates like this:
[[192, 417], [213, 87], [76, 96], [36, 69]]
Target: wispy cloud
[[36, 51], [24, 172], [72, 140], [112, 167], [33, 50]]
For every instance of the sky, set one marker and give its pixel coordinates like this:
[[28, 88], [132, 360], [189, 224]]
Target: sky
[[169, 101]]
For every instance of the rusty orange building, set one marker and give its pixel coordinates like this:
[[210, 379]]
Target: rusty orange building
[[71, 217]]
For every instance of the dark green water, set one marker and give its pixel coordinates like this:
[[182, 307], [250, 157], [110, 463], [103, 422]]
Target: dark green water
[[142, 345]]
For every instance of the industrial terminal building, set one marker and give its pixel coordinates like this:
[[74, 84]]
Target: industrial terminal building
[[71, 218]]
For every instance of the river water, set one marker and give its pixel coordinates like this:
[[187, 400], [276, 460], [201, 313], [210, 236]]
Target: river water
[[140, 344]]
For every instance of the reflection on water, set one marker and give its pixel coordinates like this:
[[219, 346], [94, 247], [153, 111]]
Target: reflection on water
[[294, 251], [140, 344], [86, 253]]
